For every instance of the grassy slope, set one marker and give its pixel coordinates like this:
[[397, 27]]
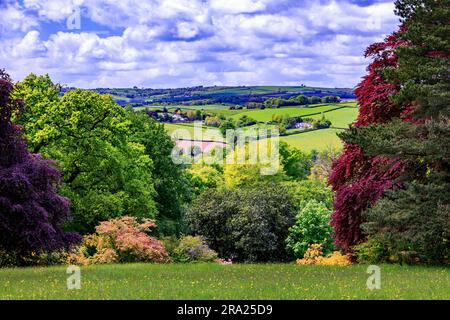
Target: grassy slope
[[314, 140], [213, 281]]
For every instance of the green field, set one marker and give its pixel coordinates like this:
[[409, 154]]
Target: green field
[[314, 140], [340, 115], [340, 118], [266, 114], [214, 281]]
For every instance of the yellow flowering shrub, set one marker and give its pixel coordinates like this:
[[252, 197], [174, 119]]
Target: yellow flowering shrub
[[314, 256], [334, 259], [313, 252]]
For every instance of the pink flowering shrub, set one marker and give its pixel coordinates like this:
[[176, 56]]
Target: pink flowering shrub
[[120, 240]]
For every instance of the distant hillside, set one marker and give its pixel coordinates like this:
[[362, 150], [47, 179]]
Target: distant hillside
[[212, 95]]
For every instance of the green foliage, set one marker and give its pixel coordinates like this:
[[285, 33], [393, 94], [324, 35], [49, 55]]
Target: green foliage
[[312, 227], [171, 182], [424, 65], [227, 124], [282, 129], [204, 177], [277, 118], [322, 165], [371, 251], [13, 259], [249, 176], [244, 225], [304, 191], [296, 164], [39, 95], [245, 121], [105, 174], [191, 249], [323, 123], [413, 223]]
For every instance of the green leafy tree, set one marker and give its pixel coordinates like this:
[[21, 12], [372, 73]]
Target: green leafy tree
[[171, 182], [204, 177], [306, 190], [105, 174], [312, 227], [296, 164], [227, 124], [245, 225]]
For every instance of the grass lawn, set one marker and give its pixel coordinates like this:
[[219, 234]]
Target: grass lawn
[[213, 281]]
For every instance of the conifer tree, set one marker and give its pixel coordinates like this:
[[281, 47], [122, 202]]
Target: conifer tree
[[406, 127]]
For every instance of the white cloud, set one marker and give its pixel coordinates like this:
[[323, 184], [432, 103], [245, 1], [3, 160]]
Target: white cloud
[[29, 47], [171, 43], [237, 6], [187, 30], [14, 19]]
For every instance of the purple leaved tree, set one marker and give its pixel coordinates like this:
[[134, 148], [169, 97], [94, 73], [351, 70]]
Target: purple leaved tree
[[32, 213]]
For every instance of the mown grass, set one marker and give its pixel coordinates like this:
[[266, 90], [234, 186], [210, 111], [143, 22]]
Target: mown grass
[[213, 281]]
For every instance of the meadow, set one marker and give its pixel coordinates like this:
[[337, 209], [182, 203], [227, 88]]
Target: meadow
[[237, 281]]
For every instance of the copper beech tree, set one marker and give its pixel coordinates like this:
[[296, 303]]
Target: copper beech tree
[[32, 213], [392, 183]]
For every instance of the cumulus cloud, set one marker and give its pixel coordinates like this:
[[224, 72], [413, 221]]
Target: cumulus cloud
[[172, 43]]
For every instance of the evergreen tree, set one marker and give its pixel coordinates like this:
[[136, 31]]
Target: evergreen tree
[[411, 133]]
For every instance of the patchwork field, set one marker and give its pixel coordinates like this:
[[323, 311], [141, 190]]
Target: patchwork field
[[341, 115], [214, 281], [296, 111]]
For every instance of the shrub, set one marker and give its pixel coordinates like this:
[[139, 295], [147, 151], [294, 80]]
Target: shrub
[[120, 240], [193, 249], [311, 255], [312, 226], [10, 259], [314, 256], [212, 121], [244, 224], [371, 251], [245, 121]]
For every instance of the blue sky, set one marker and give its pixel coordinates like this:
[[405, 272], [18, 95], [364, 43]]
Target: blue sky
[[180, 43]]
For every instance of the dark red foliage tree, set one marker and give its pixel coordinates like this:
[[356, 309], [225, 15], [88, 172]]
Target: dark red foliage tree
[[31, 212], [357, 179]]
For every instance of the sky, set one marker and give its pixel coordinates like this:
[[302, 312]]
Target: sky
[[185, 43]]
